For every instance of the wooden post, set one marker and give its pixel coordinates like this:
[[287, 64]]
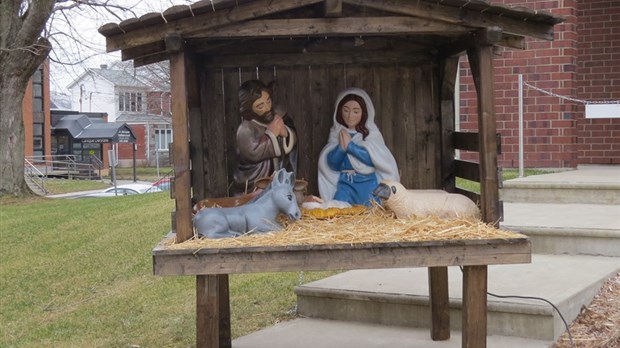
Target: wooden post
[[180, 144], [212, 314], [474, 307], [440, 309], [481, 62], [224, 309], [448, 71]]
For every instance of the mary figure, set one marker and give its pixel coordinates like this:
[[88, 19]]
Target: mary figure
[[355, 158]]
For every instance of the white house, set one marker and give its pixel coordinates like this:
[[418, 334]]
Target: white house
[[123, 94], [108, 90]]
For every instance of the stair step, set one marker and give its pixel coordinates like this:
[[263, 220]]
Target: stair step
[[400, 296], [560, 193], [588, 184], [589, 229], [571, 241], [313, 333]]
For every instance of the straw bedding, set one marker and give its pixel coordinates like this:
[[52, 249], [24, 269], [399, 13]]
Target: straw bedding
[[373, 225]]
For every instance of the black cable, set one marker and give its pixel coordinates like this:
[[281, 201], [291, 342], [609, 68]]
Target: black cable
[[570, 337]]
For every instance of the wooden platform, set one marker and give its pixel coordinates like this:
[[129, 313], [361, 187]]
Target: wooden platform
[[211, 267]]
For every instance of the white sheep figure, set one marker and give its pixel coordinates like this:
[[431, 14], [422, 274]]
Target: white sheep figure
[[422, 203]]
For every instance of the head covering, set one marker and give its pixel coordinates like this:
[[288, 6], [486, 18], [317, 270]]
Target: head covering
[[384, 163]]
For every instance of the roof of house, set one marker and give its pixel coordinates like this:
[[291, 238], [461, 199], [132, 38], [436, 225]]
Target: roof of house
[[119, 78], [82, 128], [133, 118]]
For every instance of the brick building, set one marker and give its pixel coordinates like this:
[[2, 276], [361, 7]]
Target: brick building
[[36, 114], [581, 64]]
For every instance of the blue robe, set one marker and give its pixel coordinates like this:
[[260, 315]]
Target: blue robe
[[352, 187]]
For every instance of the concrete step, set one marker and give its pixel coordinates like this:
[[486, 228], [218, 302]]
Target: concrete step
[[589, 229], [315, 333], [399, 297], [590, 184], [35, 187]]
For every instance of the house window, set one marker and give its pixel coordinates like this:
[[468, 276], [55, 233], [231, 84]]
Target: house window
[[130, 101], [163, 137], [38, 113]]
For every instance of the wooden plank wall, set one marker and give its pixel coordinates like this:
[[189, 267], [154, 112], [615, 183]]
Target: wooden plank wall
[[405, 98]]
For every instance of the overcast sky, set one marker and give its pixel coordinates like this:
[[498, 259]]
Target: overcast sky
[[88, 51]]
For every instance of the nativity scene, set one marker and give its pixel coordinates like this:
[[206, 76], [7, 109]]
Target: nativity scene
[[396, 64]]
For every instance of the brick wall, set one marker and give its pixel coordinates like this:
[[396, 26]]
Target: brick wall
[[598, 75], [555, 132], [125, 150]]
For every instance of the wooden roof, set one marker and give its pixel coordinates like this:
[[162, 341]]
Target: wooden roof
[[230, 27]]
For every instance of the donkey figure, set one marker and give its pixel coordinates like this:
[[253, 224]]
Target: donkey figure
[[257, 216]]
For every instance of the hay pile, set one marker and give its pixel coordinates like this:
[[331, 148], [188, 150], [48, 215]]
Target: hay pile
[[598, 324], [370, 226]]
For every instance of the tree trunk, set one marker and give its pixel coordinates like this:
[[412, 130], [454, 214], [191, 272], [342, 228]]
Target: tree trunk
[[22, 51], [12, 136]]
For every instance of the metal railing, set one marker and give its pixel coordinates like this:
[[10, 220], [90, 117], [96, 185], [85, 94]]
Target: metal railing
[[65, 166], [34, 176]]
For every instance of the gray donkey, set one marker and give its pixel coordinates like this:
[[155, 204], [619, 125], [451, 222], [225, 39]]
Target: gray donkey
[[257, 216]]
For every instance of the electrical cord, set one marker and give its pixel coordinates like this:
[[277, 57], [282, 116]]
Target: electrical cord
[[570, 337]]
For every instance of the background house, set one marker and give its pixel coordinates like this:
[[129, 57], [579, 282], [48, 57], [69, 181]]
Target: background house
[[582, 63], [136, 97]]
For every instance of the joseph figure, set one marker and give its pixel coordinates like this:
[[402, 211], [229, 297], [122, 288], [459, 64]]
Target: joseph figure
[[266, 138]]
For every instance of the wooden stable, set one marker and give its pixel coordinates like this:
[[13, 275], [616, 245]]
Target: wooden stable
[[404, 53]]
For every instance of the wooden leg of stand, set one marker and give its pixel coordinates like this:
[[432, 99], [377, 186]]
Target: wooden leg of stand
[[440, 309], [224, 304], [212, 311], [474, 307]]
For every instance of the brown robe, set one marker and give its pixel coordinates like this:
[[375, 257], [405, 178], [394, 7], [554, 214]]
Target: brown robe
[[260, 152]]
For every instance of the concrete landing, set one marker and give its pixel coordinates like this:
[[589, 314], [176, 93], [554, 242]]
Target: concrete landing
[[400, 296], [317, 333]]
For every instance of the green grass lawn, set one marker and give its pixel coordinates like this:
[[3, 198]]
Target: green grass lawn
[[57, 186], [78, 273], [507, 174]]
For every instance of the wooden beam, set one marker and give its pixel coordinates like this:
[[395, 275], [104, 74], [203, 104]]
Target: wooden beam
[[274, 28], [461, 16], [209, 20], [146, 60], [143, 50], [212, 311], [470, 141], [180, 145], [481, 62], [234, 260], [207, 316], [491, 36], [467, 170], [439, 300], [332, 8], [305, 44], [324, 58], [448, 69], [474, 307]]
